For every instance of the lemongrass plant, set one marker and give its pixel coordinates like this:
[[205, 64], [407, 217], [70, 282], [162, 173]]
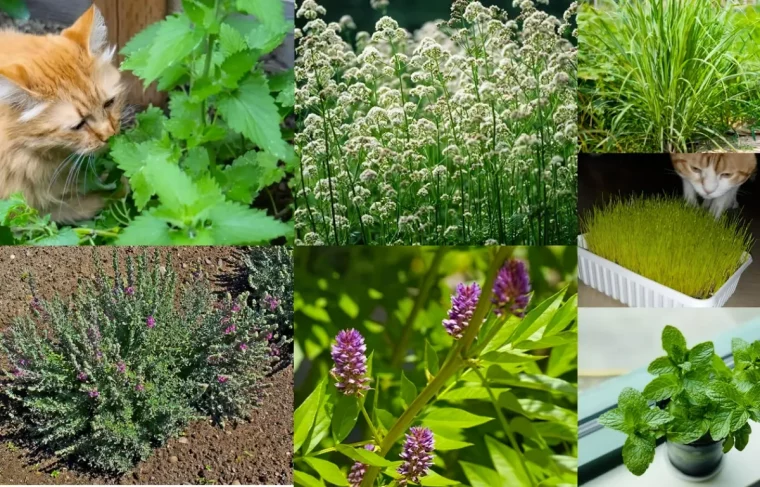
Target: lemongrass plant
[[659, 76], [461, 133], [669, 241]]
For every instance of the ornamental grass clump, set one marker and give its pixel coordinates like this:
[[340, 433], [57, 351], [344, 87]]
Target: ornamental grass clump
[[669, 241], [461, 133], [695, 397], [128, 361]]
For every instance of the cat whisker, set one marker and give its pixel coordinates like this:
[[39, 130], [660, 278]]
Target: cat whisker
[[58, 170]]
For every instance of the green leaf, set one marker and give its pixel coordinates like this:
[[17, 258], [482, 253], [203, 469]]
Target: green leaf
[[720, 426], [564, 316], [171, 184], [251, 173], [454, 418], [269, 12], [701, 355], [146, 229], [739, 418], [305, 414], [327, 470], [631, 400], [200, 13], [231, 40], [408, 390], [344, 417], [638, 453], [741, 437], [561, 338], [662, 365], [446, 444], [507, 463], [683, 431], [480, 476], [364, 456], [432, 479], [431, 359], [537, 318], [663, 387], [306, 480], [234, 224], [615, 419], [322, 421], [66, 237], [15, 8], [236, 66], [509, 357], [197, 161], [251, 111], [142, 40], [674, 343], [656, 417]]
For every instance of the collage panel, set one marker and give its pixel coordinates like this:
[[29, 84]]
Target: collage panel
[[435, 366], [146, 365], [673, 403]]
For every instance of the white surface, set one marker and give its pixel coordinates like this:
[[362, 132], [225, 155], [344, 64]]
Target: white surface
[[740, 469], [625, 339], [637, 291]]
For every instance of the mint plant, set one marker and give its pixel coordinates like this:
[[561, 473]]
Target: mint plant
[[194, 172], [466, 375], [694, 397], [128, 361]]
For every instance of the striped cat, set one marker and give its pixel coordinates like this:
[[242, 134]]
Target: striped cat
[[714, 177]]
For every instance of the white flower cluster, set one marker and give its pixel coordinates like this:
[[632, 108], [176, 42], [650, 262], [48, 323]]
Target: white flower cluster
[[461, 133]]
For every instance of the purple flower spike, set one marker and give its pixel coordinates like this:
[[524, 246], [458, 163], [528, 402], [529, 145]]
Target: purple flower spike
[[463, 304], [243, 347], [139, 387], [130, 291], [151, 322], [350, 363], [272, 302], [82, 377], [94, 393], [230, 329], [417, 455], [235, 308], [222, 379], [121, 367], [356, 475], [511, 289]]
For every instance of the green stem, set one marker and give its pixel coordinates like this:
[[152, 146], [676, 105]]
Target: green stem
[[209, 57], [505, 426], [422, 297], [369, 421], [452, 365]]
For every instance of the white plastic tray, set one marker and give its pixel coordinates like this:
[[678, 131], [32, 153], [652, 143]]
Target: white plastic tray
[[640, 292]]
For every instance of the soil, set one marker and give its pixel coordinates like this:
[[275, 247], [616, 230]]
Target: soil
[[258, 451]]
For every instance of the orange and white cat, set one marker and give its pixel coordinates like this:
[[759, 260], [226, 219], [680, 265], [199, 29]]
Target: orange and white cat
[[714, 177], [60, 101]]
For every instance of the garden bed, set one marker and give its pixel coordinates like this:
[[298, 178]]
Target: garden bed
[[255, 452]]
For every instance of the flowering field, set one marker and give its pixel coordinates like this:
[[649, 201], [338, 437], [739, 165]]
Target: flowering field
[[436, 367], [463, 132], [102, 381]]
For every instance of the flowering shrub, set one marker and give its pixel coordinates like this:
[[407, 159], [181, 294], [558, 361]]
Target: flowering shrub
[[127, 362], [412, 390], [464, 132]]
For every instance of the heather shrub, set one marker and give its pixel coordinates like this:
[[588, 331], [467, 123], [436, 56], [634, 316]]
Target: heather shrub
[[128, 361], [270, 283], [461, 133]]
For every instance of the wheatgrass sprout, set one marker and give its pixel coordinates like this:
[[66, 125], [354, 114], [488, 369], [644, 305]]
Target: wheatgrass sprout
[[659, 76], [669, 241], [462, 133]]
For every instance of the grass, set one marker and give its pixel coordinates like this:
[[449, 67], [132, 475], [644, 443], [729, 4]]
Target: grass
[[668, 241], [658, 76]]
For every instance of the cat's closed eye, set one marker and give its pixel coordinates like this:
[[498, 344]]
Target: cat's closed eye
[[696, 169], [725, 175], [81, 125], [109, 103]]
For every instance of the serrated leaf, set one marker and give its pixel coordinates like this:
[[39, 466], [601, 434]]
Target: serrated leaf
[[66, 237], [662, 365], [741, 437], [701, 354], [236, 66], [674, 343], [663, 387], [408, 390], [631, 400], [269, 12], [146, 229], [231, 40], [638, 453], [144, 39], [233, 224], [251, 111], [720, 426], [615, 419]]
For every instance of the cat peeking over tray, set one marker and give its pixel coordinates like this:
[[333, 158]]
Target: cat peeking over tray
[[715, 178], [60, 102]]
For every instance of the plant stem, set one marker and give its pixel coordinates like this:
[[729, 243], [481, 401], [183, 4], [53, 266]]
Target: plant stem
[[452, 365], [369, 421], [422, 297], [209, 57], [505, 426]]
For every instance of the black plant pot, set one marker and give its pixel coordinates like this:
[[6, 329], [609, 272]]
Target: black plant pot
[[699, 459]]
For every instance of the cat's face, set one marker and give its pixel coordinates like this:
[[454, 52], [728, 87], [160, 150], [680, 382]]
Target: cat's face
[[712, 175], [64, 89]]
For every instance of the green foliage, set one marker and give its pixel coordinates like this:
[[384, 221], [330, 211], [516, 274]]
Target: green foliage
[[125, 363], [195, 172], [696, 398], [397, 299], [669, 241], [660, 76], [15, 8]]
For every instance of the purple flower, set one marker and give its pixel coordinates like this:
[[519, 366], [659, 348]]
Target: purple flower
[[512, 288], [36, 304], [272, 302], [463, 303], [129, 291], [235, 308], [139, 387], [94, 393], [82, 376], [99, 355], [230, 329], [222, 379], [151, 322], [23, 362], [350, 363], [356, 475], [243, 347], [417, 455], [121, 367], [269, 336], [18, 372]]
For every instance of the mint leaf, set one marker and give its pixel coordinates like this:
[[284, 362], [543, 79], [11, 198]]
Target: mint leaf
[[656, 417], [252, 112], [739, 418], [701, 354], [663, 387], [662, 365], [720, 426], [674, 343], [638, 453], [631, 400], [615, 419], [741, 437], [685, 431]]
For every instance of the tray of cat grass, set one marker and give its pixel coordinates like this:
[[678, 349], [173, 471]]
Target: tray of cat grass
[[662, 253]]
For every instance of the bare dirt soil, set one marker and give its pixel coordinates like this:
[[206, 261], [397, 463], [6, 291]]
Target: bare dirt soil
[[254, 452]]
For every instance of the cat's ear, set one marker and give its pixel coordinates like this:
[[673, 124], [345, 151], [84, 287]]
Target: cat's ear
[[90, 32], [15, 85]]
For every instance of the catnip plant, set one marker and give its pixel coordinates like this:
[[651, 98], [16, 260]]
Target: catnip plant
[[127, 362], [694, 397], [461, 133], [197, 173], [427, 406]]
